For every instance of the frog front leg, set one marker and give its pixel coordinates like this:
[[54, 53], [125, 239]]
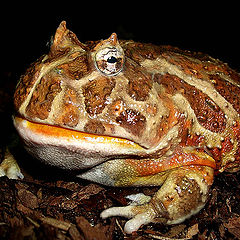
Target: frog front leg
[[185, 178], [183, 194], [9, 167]]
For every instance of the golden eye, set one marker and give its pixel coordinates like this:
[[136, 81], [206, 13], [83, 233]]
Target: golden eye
[[109, 60]]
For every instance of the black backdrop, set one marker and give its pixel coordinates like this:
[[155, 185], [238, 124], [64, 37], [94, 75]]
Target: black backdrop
[[208, 27]]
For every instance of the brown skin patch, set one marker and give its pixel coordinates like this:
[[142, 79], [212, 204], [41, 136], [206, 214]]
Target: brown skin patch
[[207, 112], [96, 94], [69, 114], [141, 51], [159, 208], [54, 56], [132, 121], [139, 84], [95, 127], [217, 153], [26, 83], [189, 194], [193, 140], [217, 68], [42, 97], [75, 69]]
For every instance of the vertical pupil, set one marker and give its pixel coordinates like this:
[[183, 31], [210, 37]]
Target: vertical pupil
[[111, 59]]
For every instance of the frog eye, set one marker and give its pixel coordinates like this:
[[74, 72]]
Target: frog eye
[[109, 60]]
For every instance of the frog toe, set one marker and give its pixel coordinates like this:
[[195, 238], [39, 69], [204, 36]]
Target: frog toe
[[118, 211], [10, 168], [138, 215], [135, 223]]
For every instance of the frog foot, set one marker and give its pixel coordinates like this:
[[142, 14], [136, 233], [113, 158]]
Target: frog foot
[[183, 194], [9, 167], [140, 215]]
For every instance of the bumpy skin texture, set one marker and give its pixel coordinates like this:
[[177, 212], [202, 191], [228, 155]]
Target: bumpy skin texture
[[133, 114]]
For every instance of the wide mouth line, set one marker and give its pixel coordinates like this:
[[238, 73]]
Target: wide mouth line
[[61, 132]]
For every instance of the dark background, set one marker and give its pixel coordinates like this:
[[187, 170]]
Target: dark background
[[211, 27]]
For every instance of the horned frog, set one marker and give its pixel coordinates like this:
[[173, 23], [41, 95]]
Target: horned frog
[[133, 114]]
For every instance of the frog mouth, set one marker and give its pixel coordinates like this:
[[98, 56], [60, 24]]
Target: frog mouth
[[90, 149], [73, 135]]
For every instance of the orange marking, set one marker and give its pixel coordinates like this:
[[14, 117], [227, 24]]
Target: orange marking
[[227, 146], [59, 132], [148, 167]]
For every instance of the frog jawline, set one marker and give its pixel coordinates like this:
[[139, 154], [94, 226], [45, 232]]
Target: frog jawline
[[71, 149]]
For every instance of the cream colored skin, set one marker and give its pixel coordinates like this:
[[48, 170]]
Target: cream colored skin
[[183, 190]]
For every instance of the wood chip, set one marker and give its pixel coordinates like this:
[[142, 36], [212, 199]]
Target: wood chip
[[28, 199], [74, 233], [233, 226], [33, 222], [192, 231], [91, 233], [56, 223], [88, 191]]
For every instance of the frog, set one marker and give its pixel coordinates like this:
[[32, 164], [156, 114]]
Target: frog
[[129, 114]]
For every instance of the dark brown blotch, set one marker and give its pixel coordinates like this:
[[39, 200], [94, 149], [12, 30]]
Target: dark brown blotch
[[26, 83], [43, 96], [140, 51], [77, 68], [95, 127], [139, 82], [189, 194], [132, 121], [96, 94], [205, 109]]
